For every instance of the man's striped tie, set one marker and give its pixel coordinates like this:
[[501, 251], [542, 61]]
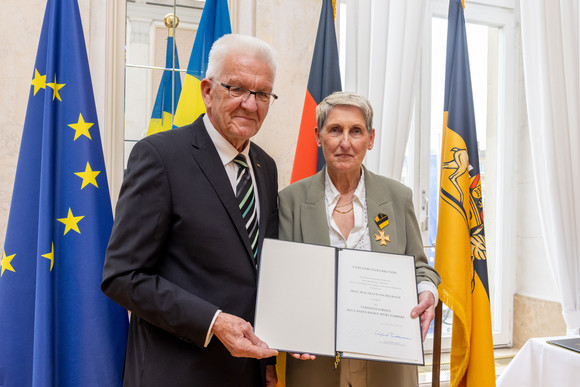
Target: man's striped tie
[[247, 201]]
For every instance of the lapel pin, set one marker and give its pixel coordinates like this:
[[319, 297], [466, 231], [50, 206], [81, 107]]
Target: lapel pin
[[382, 220]]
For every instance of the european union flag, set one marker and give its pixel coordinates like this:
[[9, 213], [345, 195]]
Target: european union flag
[[56, 327]]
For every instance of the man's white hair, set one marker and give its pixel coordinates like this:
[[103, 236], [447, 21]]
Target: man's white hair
[[233, 44]]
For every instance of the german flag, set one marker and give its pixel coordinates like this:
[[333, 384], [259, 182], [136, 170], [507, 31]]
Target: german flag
[[324, 80], [460, 253]]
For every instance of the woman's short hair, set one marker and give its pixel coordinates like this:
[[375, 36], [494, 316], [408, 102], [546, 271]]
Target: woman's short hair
[[233, 44], [344, 98]]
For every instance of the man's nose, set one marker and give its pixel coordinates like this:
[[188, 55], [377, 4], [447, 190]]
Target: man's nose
[[250, 103]]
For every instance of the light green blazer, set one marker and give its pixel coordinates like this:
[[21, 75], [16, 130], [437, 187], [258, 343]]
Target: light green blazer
[[302, 212]]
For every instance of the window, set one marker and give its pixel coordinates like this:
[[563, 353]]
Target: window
[[492, 48], [145, 59]]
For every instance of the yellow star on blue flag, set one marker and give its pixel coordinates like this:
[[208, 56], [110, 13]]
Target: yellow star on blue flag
[[81, 128], [39, 81], [6, 263], [50, 256], [71, 222], [89, 176], [55, 86]]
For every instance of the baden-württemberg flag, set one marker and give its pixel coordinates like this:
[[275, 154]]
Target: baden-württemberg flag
[[56, 326], [168, 92], [214, 23], [460, 254]]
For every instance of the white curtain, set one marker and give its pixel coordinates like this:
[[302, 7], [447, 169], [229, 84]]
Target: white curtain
[[551, 55], [383, 39]]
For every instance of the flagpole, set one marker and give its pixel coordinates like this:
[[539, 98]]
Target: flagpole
[[436, 362], [171, 22]]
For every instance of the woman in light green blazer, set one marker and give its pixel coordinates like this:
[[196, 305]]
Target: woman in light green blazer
[[367, 211]]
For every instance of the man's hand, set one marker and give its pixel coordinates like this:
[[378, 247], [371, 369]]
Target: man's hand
[[238, 337], [271, 376], [425, 309]]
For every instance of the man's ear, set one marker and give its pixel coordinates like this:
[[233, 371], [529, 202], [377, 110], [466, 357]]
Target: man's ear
[[317, 135], [206, 86]]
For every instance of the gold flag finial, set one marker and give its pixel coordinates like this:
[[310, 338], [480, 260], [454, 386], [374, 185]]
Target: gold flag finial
[[171, 22]]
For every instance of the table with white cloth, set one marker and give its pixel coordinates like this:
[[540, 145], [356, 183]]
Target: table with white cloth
[[541, 364]]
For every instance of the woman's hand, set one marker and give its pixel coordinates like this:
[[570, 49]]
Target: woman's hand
[[426, 311], [302, 356]]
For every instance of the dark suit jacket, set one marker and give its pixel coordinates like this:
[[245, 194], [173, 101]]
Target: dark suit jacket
[[303, 219], [178, 252]]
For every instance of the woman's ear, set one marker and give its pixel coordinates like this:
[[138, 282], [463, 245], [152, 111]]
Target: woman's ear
[[372, 139], [317, 135]]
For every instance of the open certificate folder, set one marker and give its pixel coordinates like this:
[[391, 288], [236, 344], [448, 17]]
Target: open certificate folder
[[322, 300]]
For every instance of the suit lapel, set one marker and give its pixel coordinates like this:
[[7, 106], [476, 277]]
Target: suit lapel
[[206, 156], [313, 220]]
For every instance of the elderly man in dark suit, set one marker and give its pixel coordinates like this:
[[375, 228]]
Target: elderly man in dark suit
[[194, 208]]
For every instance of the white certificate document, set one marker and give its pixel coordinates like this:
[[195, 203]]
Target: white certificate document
[[375, 296], [295, 306], [320, 300]]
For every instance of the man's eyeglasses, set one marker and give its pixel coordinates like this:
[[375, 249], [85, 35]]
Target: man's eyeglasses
[[243, 94]]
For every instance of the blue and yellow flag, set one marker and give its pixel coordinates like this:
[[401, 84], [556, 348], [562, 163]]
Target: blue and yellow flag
[[56, 326], [166, 100], [214, 23], [460, 253]]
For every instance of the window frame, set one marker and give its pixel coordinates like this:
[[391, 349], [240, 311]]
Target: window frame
[[502, 15]]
